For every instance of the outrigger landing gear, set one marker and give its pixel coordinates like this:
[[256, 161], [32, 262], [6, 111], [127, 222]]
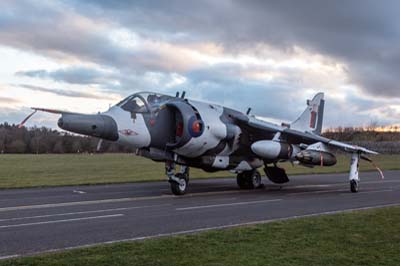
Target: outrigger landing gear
[[249, 180], [354, 186], [179, 181], [354, 178]]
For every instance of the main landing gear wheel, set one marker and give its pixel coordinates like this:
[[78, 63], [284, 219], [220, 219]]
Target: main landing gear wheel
[[249, 180], [179, 186], [255, 180], [241, 181], [354, 186]]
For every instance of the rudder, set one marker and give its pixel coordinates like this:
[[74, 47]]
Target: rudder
[[312, 118]]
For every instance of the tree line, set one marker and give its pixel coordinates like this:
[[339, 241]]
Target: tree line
[[46, 140], [372, 137], [357, 134]]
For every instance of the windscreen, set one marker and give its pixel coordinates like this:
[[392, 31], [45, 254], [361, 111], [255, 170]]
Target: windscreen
[[143, 102]]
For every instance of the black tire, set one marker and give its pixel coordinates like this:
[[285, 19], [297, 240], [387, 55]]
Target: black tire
[[255, 180], [353, 186], [242, 181], [180, 188], [249, 180]]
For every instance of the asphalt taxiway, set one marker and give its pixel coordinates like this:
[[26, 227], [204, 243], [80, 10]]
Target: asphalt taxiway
[[49, 219]]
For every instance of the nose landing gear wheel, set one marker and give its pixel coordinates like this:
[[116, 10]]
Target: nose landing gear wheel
[[353, 186], [178, 181], [179, 187]]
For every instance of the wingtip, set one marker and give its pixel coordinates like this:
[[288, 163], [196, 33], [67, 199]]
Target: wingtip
[[372, 152]]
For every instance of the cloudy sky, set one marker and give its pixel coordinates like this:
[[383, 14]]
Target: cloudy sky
[[271, 55]]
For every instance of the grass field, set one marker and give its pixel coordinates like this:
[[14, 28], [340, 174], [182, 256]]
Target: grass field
[[54, 170], [360, 238]]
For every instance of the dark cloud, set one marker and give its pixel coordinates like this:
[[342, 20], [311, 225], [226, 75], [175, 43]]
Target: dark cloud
[[56, 30], [108, 81], [362, 33], [220, 84], [73, 75], [67, 93], [282, 100]]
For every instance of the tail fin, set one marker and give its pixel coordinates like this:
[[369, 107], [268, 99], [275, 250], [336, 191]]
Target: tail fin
[[311, 119]]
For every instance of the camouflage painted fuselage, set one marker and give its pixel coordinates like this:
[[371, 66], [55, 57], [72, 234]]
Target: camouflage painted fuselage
[[187, 132]]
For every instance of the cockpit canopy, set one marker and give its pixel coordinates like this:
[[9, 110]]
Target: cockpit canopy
[[143, 102]]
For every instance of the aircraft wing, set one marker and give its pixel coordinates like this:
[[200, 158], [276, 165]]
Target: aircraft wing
[[53, 111], [349, 147], [36, 109], [261, 127]]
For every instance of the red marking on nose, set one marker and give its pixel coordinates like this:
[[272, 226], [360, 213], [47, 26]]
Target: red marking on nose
[[128, 132]]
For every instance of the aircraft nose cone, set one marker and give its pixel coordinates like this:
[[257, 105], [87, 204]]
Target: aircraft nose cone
[[101, 126]]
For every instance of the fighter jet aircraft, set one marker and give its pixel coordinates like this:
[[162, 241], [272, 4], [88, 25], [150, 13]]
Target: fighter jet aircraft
[[188, 133]]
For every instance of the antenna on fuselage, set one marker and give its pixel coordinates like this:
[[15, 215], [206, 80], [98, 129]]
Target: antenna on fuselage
[[248, 111], [183, 94]]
